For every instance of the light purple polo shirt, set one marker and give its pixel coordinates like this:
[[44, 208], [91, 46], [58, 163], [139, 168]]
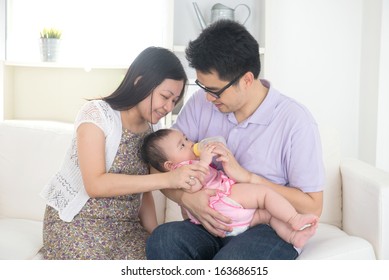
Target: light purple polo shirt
[[280, 141]]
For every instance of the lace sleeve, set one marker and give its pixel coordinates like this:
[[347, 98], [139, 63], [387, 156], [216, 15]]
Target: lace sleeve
[[96, 112]]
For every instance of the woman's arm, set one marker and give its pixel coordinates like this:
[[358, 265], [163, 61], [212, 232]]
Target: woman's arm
[[147, 215], [99, 183]]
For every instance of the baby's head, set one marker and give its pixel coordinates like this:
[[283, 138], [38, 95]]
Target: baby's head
[[165, 148]]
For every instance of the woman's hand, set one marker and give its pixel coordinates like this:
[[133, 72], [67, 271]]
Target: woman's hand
[[198, 205], [189, 178]]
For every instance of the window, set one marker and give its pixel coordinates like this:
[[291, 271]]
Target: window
[[93, 31]]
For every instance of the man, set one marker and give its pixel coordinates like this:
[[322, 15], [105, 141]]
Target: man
[[271, 140]]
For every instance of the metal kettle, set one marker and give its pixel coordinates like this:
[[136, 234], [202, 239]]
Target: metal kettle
[[219, 11]]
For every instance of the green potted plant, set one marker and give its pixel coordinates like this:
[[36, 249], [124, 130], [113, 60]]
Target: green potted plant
[[50, 42]]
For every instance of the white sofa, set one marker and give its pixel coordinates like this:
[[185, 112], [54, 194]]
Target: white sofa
[[354, 224]]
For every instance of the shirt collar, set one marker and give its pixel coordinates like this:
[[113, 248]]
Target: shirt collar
[[264, 113]]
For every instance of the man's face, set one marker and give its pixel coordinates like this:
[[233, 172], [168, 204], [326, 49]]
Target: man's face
[[230, 99]]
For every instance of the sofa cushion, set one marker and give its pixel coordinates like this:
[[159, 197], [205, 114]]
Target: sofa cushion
[[160, 206], [20, 239], [30, 153], [173, 211], [331, 243]]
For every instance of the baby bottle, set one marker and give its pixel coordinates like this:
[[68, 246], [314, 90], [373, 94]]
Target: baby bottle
[[200, 145]]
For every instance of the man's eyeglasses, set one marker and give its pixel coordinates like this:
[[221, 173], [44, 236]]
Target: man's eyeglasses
[[218, 93]]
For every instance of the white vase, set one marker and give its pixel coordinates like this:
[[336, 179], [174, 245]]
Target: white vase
[[49, 49]]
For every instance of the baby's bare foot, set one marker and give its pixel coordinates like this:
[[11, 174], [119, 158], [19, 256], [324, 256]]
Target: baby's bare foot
[[301, 221], [300, 237]]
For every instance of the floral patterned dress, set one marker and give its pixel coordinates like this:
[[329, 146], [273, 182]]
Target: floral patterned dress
[[105, 228]]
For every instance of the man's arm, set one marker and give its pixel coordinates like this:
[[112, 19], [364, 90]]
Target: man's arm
[[198, 204], [303, 202]]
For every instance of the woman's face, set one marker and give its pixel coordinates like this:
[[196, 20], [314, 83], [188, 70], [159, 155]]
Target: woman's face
[[161, 101]]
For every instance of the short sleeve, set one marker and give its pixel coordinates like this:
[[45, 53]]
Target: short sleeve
[[96, 112], [305, 168]]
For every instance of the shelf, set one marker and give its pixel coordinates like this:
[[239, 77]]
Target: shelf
[[179, 48], [86, 67]]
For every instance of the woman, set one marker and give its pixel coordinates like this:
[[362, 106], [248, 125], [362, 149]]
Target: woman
[[99, 204]]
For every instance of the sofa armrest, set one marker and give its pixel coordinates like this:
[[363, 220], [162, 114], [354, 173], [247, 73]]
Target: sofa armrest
[[366, 204]]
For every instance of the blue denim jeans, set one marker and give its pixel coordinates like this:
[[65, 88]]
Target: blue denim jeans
[[186, 241]]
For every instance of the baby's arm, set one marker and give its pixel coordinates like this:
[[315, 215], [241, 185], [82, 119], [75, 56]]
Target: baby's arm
[[207, 155]]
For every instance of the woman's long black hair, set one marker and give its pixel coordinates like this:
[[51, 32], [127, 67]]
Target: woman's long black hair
[[149, 69]]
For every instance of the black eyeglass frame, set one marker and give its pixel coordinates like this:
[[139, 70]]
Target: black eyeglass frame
[[218, 93]]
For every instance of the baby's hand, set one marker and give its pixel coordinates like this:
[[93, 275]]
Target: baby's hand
[[207, 153]]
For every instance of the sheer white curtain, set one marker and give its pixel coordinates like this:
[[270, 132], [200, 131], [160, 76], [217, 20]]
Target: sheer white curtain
[[94, 31]]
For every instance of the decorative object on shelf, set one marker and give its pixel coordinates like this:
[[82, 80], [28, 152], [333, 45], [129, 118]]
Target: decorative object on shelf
[[219, 11], [50, 43]]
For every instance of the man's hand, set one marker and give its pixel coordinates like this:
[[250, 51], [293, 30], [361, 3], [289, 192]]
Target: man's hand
[[230, 165], [198, 205]]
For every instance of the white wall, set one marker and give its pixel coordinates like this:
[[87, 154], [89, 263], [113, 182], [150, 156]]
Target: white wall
[[369, 79], [382, 151], [332, 55], [94, 32], [53, 93], [313, 51], [2, 54], [2, 29]]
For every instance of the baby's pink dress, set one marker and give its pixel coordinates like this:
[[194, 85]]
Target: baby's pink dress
[[240, 216]]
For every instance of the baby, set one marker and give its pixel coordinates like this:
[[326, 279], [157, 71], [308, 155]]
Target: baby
[[244, 203]]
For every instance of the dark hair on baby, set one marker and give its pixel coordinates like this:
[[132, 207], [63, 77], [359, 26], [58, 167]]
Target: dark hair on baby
[[151, 152]]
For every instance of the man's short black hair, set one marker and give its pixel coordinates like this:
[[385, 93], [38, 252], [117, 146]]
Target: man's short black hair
[[225, 47]]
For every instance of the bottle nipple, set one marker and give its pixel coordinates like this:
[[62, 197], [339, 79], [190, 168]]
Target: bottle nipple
[[196, 149]]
